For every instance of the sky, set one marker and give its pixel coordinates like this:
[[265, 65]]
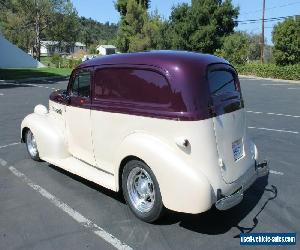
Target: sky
[[104, 11]]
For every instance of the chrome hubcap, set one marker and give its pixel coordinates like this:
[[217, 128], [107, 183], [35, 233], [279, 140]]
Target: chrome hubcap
[[141, 190], [31, 144]]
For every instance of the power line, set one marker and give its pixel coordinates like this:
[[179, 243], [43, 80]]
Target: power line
[[271, 8], [260, 19], [270, 19], [266, 21]]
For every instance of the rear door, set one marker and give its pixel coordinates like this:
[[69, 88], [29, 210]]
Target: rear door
[[229, 122]]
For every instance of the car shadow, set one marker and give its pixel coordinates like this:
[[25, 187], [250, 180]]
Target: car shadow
[[117, 196], [214, 222]]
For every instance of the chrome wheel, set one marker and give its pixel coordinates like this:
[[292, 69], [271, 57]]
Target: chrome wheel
[[31, 144], [141, 190]]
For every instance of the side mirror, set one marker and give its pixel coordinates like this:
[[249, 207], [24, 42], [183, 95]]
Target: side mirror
[[65, 97]]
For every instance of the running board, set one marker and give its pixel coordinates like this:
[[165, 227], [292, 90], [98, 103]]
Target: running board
[[86, 171]]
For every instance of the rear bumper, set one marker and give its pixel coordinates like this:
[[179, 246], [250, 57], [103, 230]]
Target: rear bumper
[[224, 203]]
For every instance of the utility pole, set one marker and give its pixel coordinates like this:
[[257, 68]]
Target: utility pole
[[262, 48]]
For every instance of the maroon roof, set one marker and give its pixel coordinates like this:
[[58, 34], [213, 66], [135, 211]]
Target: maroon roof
[[165, 59], [185, 71]]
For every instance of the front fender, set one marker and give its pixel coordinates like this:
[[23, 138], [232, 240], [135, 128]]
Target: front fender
[[50, 139], [183, 188]]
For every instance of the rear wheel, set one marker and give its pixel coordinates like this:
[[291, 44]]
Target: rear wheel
[[31, 145], [141, 191]]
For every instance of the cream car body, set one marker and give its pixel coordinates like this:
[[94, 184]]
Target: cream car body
[[198, 149]]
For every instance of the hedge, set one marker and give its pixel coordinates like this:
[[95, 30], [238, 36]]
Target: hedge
[[290, 72]]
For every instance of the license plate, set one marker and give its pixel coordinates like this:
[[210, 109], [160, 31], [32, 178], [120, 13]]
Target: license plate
[[237, 149]]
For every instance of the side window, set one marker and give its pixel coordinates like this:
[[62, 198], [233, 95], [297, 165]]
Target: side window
[[221, 81], [133, 85], [81, 84]]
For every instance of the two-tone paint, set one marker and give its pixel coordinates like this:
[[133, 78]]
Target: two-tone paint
[[94, 138]]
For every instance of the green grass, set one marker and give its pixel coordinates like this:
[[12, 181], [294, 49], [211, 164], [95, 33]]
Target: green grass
[[15, 74]]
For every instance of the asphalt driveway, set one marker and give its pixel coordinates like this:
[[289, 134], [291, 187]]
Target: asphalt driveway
[[43, 207]]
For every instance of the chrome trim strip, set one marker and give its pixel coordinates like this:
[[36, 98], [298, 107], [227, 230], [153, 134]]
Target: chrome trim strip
[[100, 169]]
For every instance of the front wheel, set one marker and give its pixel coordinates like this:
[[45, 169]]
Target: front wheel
[[141, 191], [31, 145]]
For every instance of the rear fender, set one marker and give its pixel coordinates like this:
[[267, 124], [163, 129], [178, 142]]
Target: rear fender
[[183, 188]]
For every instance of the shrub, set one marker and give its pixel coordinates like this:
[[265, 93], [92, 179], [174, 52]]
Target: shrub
[[57, 60], [289, 72], [72, 63], [93, 49]]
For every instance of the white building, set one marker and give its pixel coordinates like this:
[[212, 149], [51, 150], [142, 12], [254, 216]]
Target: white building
[[106, 49], [13, 57], [49, 48]]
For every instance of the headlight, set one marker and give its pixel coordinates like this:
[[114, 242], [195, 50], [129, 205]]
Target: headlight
[[40, 110]]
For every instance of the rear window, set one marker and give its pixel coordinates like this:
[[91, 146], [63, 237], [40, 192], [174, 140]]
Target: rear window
[[131, 85], [221, 81]]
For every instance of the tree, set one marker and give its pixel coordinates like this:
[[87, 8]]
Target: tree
[[121, 5], [235, 48], [131, 25], [286, 39], [201, 25], [10, 26], [152, 31], [5, 5], [138, 30], [95, 33], [269, 54], [30, 19], [254, 46], [177, 29], [65, 27]]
